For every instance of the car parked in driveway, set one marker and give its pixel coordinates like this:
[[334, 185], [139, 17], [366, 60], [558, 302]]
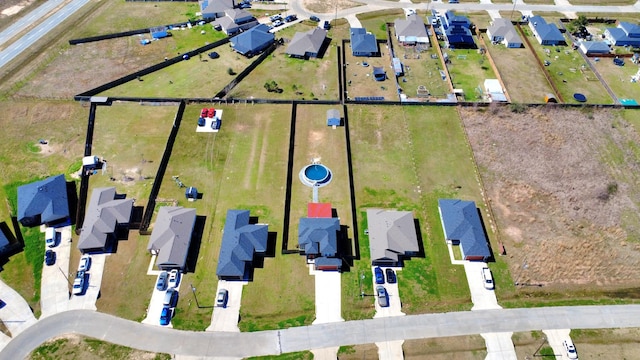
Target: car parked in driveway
[[487, 278], [383, 297], [170, 298], [222, 298], [165, 316], [174, 278], [275, 17], [570, 349], [51, 237], [391, 276], [161, 283], [379, 275], [49, 257], [78, 283], [291, 18], [277, 23], [85, 263]]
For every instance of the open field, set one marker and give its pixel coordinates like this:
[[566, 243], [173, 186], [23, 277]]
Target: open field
[[79, 347], [574, 179], [522, 77], [329, 7], [376, 22], [298, 78]]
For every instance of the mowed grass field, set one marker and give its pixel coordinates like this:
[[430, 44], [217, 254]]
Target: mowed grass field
[[468, 71], [619, 77], [407, 158]]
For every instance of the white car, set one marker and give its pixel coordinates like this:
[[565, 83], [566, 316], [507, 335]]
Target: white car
[[174, 278], [487, 278], [85, 263], [570, 349], [78, 283]]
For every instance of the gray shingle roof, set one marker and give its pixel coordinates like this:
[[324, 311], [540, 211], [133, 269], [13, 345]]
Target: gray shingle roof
[[240, 241], [103, 215], [43, 201], [171, 236], [391, 233], [362, 42], [252, 40], [309, 42], [504, 28], [411, 26], [462, 223], [215, 6]]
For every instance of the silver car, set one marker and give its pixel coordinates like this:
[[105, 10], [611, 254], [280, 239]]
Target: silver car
[[383, 297]]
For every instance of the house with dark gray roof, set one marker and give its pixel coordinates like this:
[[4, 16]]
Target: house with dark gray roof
[[171, 237], [503, 31], [392, 236], [235, 21], [363, 43], [307, 44], [411, 31], [254, 41], [107, 213], [43, 202], [462, 226], [212, 9], [318, 241], [241, 242], [546, 34]]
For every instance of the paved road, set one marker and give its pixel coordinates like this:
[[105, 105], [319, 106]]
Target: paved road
[[28, 20], [16, 48], [189, 343]]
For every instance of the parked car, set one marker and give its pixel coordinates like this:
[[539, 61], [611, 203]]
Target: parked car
[[211, 113], [170, 298], [277, 23], [85, 263], [570, 349], [275, 17], [618, 61], [222, 298], [78, 283], [245, 6], [291, 18], [214, 55], [49, 257], [51, 237], [174, 278], [314, 18], [161, 283], [204, 112], [379, 275], [165, 316], [487, 278], [201, 121], [391, 276], [383, 297], [326, 25]]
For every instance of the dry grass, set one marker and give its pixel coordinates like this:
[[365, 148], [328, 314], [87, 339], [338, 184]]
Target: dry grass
[[330, 6]]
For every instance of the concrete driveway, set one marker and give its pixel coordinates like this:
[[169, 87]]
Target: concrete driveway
[[482, 298], [94, 280], [56, 281], [328, 296], [555, 339], [499, 346], [156, 305], [395, 305], [226, 319], [16, 313]]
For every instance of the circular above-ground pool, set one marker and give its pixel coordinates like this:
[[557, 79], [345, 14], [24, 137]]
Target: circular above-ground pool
[[315, 175], [580, 97]]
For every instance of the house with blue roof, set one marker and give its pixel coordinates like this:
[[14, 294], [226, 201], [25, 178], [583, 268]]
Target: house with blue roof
[[626, 34], [43, 202], [253, 41], [318, 241], [594, 47], [545, 33], [235, 21], [459, 37], [462, 226], [363, 43], [241, 242], [450, 20]]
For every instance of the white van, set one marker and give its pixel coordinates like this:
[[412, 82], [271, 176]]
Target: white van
[[50, 237], [487, 278]]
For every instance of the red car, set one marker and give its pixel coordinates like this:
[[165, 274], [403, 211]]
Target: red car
[[204, 113], [212, 112]]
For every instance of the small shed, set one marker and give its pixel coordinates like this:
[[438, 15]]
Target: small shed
[[397, 66], [159, 32], [333, 117], [379, 74], [550, 98], [191, 193]]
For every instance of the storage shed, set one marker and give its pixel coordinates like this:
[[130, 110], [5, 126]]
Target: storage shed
[[333, 117]]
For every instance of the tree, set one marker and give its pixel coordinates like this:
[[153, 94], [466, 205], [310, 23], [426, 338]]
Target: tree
[[271, 86]]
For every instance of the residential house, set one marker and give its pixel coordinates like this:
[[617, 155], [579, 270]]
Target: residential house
[[107, 213], [411, 31], [452, 20], [594, 47], [171, 237], [363, 43], [241, 243], [546, 34], [502, 31], [235, 21], [253, 41], [626, 34], [318, 237], [307, 44], [43, 202], [462, 226], [212, 9], [459, 37], [392, 236], [333, 119]]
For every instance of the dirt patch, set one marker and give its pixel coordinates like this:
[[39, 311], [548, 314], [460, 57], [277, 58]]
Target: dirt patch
[[563, 186], [322, 6]]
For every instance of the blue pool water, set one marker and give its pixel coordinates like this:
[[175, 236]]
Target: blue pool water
[[316, 172]]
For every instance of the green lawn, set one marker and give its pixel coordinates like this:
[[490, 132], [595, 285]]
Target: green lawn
[[468, 70]]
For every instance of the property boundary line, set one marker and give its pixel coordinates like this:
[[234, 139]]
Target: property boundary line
[[493, 64], [352, 191], [287, 197], [84, 178]]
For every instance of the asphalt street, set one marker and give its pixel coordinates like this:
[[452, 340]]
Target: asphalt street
[[29, 19]]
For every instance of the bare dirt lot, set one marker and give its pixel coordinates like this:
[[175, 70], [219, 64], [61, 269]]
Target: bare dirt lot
[[564, 188]]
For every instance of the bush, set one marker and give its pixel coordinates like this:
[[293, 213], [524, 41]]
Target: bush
[[230, 71]]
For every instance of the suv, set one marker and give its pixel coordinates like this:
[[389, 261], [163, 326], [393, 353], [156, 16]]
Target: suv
[[165, 316], [222, 298], [570, 349], [78, 283], [379, 275], [290, 18], [383, 297], [174, 278], [85, 263], [51, 237], [314, 18], [49, 257], [326, 25], [391, 276], [161, 284], [170, 298], [487, 278]]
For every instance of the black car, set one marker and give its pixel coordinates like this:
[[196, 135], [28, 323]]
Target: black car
[[314, 18], [214, 55], [49, 257], [391, 276], [290, 18], [326, 25]]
